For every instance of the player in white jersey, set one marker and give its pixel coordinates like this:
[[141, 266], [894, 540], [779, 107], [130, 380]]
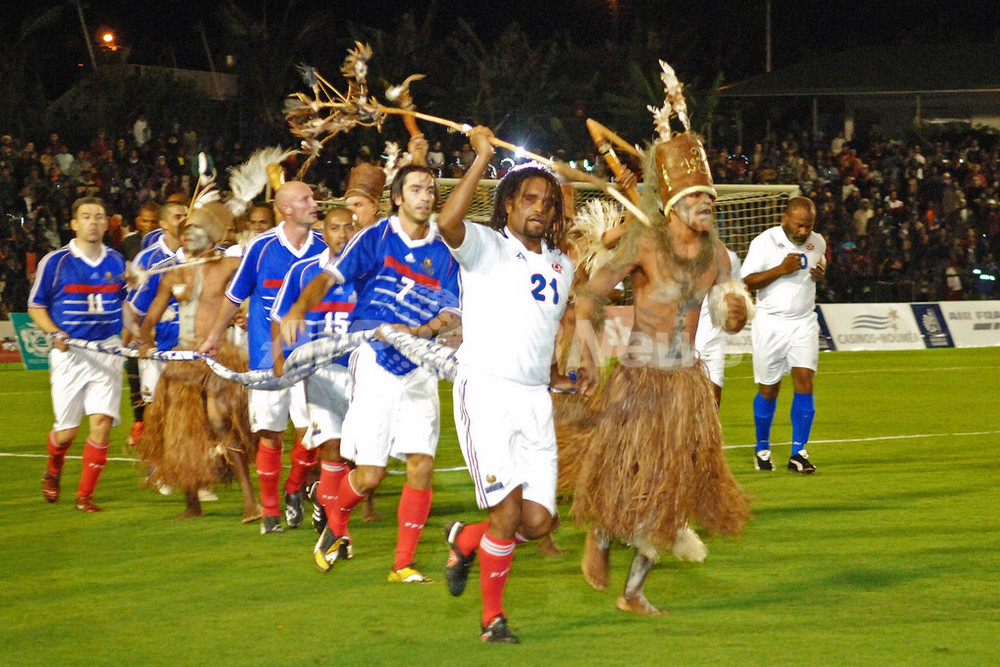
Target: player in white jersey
[[710, 340], [783, 265], [78, 293], [515, 285]]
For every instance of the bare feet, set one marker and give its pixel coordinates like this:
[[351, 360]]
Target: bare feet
[[547, 547], [251, 514], [370, 514], [638, 604], [594, 563]]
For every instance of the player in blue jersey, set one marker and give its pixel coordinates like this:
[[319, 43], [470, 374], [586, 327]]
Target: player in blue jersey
[[170, 217], [78, 293], [327, 390], [266, 260], [405, 276]]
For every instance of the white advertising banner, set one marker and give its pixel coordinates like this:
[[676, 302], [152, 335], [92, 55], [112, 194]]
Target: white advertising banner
[[972, 323], [873, 326]]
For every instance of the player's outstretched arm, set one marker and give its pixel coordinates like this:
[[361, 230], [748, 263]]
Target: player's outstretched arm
[[293, 324], [451, 222]]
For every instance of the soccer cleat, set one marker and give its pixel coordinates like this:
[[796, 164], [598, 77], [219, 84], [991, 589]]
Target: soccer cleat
[[497, 632], [86, 504], [762, 460], [207, 496], [318, 513], [50, 486], [293, 509], [800, 463], [327, 550], [409, 575], [456, 572], [269, 524], [135, 434], [345, 551]]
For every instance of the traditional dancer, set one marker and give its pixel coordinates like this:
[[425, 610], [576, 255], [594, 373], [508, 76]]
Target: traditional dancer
[[650, 446], [197, 420]]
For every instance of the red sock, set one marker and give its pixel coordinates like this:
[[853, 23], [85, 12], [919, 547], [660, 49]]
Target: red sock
[[303, 461], [347, 499], [414, 508], [57, 454], [95, 455], [470, 537], [495, 556], [330, 476], [268, 472]]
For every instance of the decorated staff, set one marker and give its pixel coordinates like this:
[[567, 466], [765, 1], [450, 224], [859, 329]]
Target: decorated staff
[[317, 119]]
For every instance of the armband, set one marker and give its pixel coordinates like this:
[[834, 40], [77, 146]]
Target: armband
[[717, 308]]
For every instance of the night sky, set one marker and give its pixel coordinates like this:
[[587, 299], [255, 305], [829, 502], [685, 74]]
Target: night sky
[[726, 35]]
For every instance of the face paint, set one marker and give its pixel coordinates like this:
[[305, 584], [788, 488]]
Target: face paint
[[196, 240]]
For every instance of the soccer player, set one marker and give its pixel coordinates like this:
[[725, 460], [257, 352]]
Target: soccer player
[[78, 293], [405, 276], [515, 287], [710, 340], [327, 390], [170, 217], [261, 274], [783, 265]]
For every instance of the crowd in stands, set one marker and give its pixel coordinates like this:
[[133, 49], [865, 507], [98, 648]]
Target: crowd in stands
[[902, 222]]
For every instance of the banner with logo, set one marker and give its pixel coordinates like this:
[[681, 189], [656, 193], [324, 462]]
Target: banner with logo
[[972, 323], [32, 341], [932, 325], [872, 326]]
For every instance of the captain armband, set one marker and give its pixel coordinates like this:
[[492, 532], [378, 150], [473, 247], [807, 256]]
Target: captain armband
[[717, 308]]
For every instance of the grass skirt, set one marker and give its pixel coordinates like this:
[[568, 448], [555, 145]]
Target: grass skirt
[[179, 438], [647, 457]]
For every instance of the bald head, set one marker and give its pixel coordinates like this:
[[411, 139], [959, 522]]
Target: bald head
[[295, 204]]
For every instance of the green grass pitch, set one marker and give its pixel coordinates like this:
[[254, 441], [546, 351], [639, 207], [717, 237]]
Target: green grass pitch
[[887, 555]]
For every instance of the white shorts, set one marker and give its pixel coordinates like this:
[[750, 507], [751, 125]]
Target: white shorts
[[85, 382], [713, 355], [780, 345], [508, 439], [150, 371], [270, 410], [327, 392], [389, 415]]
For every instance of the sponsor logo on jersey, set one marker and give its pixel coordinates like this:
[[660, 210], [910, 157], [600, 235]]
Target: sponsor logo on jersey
[[409, 257], [520, 255]]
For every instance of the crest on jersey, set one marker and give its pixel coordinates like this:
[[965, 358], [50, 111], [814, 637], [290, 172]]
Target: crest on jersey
[[428, 264], [557, 268], [810, 247], [490, 479]]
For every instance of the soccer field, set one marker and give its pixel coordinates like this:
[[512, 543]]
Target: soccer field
[[887, 555]]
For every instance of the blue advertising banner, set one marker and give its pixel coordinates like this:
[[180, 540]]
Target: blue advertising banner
[[932, 325]]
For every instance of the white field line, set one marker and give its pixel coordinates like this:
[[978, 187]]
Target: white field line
[[456, 469], [821, 372]]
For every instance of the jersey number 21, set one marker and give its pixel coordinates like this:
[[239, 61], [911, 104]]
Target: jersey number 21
[[538, 291]]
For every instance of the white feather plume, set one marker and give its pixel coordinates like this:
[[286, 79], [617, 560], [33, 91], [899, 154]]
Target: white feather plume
[[248, 179], [394, 160], [592, 220], [674, 104]]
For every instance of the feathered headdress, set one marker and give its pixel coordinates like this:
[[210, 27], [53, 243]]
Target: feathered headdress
[[248, 179]]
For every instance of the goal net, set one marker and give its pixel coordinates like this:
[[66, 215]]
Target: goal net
[[741, 211]]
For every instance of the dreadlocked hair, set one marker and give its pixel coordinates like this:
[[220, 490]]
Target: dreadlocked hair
[[510, 186]]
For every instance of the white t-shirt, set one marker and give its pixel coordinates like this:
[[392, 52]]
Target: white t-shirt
[[793, 295], [707, 333], [512, 299]]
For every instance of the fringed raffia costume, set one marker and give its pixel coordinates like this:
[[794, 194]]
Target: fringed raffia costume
[[648, 457], [179, 439]]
